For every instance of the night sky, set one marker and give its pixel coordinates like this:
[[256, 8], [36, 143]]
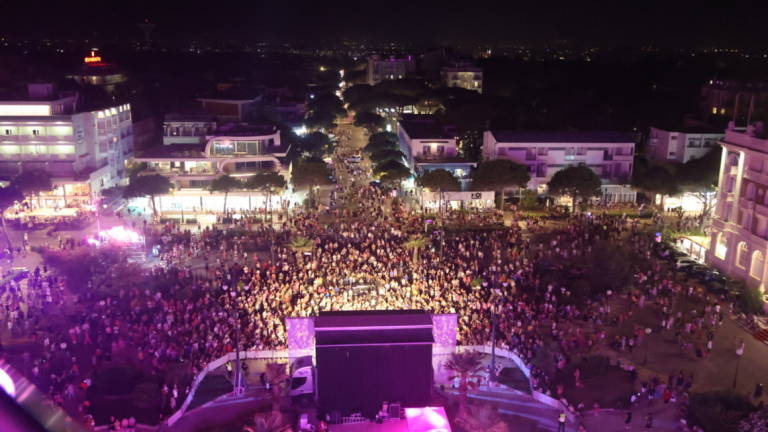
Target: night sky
[[660, 23]]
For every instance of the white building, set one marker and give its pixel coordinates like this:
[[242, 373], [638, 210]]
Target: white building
[[390, 68], [609, 154], [187, 128], [739, 232], [428, 145], [463, 75], [681, 144], [233, 149], [83, 150]]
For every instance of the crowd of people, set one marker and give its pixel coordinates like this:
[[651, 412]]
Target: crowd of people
[[231, 287]]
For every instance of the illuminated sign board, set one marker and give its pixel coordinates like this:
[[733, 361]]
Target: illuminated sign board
[[25, 110], [93, 58]]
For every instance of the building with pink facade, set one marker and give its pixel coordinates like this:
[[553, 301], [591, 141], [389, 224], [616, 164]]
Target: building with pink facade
[[609, 154]]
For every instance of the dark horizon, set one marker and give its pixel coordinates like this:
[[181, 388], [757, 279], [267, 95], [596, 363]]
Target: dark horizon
[[682, 24]]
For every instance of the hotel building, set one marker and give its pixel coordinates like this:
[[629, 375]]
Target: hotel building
[[84, 150], [463, 75], [390, 68], [739, 232], [609, 154], [681, 144], [233, 149]]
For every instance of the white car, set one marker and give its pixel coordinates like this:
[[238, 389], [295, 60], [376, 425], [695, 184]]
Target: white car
[[685, 262]]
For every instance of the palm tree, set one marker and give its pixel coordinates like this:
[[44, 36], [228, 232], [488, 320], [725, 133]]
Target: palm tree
[[300, 245], [465, 365], [276, 376], [273, 423], [482, 418], [416, 242]]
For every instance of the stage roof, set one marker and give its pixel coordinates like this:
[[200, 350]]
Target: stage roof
[[373, 327]]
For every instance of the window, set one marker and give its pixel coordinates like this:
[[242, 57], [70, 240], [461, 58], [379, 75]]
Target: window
[[741, 255], [36, 132], [694, 143], [751, 191], [721, 247], [756, 268], [542, 151], [7, 131]]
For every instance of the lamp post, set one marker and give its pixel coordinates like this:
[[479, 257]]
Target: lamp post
[[238, 369], [492, 372], [739, 354]]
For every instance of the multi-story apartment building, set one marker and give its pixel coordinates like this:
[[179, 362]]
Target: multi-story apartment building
[[84, 150], [739, 231], [234, 149], [681, 144], [463, 75], [429, 145], [390, 68], [609, 154], [733, 99]]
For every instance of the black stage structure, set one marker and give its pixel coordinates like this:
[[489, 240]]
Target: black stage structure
[[367, 357]]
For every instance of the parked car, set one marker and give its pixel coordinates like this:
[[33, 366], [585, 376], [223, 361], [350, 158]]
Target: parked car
[[685, 261]]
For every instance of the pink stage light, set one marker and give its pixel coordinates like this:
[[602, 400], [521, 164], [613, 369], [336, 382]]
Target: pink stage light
[[121, 235], [427, 419]]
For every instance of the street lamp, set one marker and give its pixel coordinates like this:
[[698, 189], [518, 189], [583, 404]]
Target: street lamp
[[238, 385], [739, 354]]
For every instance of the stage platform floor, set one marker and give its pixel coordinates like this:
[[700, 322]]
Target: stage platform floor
[[387, 426]]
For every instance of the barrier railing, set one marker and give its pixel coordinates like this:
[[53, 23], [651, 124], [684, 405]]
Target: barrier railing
[[219, 362]]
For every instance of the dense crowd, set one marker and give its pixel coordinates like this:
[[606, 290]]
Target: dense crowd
[[245, 279]]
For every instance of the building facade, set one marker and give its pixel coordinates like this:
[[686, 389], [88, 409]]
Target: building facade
[[98, 73], [609, 154], [733, 99], [236, 150], [84, 151], [390, 68], [428, 145], [739, 232], [681, 145], [463, 75], [187, 128]]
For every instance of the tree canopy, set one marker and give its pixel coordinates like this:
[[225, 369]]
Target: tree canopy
[[392, 172], [369, 120], [577, 182], [387, 154], [266, 181], [499, 174], [315, 144], [148, 186], [310, 173], [439, 180], [225, 183], [32, 182], [700, 174], [382, 141]]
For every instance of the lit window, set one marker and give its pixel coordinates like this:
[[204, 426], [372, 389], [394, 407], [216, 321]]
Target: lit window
[[721, 247], [758, 262], [741, 255], [722, 110], [714, 110]]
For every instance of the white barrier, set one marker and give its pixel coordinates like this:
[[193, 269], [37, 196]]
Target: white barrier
[[284, 354], [537, 395], [219, 362]]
